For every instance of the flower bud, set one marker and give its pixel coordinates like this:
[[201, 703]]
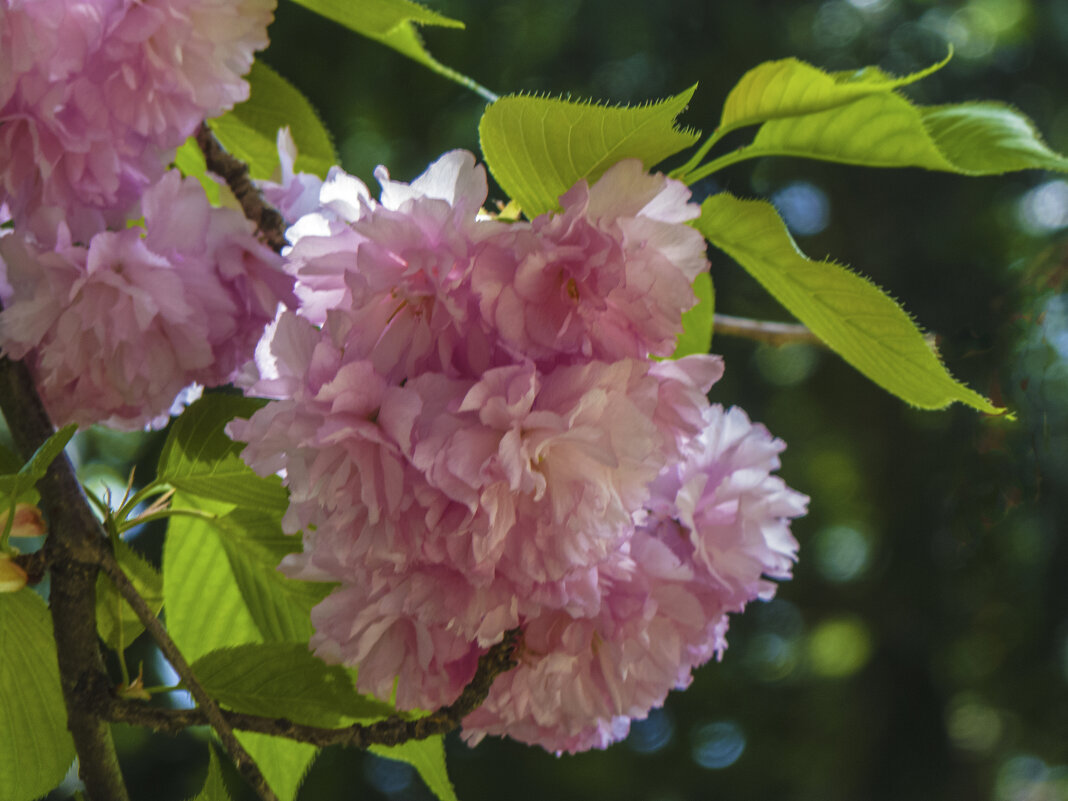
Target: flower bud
[[12, 576], [28, 521]]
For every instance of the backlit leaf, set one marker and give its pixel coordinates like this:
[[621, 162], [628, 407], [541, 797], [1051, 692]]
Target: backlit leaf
[[538, 147], [851, 314], [696, 336], [250, 130], [35, 747], [214, 786], [113, 614]]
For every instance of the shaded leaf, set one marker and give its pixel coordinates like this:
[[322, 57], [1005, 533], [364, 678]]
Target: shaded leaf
[[538, 147], [285, 680], [250, 130], [428, 758], [35, 748], [113, 614], [214, 786], [853, 316], [199, 459], [696, 336]]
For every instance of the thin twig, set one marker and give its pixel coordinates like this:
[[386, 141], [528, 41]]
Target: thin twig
[[235, 172], [212, 714], [391, 731], [764, 331]]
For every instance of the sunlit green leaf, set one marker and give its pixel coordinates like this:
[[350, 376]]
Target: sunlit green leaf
[[190, 160], [285, 680], [113, 614], [887, 130], [428, 758], [696, 336], [284, 763], [250, 130], [789, 88], [199, 459], [205, 607], [852, 315], [538, 147], [35, 747], [281, 607], [214, 786], [393, 23]]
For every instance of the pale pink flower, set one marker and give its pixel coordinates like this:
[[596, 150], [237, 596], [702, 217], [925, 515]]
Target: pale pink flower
[[116, 330], [607, 277], [96, 94]]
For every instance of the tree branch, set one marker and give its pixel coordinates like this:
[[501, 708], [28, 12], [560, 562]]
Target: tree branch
[[208, 706], [71, 549], [235, 173], [391, 731], [763, 331]]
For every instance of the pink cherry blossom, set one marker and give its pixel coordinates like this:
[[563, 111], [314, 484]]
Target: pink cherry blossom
[[115, 330]]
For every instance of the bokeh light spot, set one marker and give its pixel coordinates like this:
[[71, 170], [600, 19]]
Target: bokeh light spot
[[972, 724], [388, 776], [839, 648], [786, 365], [718, 745], [652, 734], [1044, 208], [804, 207], [842, 553]]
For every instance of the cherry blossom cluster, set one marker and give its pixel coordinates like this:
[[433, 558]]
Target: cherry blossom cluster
[[123, 288], [480, 430]]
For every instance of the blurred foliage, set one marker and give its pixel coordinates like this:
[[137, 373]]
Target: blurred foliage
[[921, 651]]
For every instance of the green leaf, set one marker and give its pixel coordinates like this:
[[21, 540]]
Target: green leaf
[[280, 606], [35, 748], [696, 336], [199, 459], [205, 608], [539, 147], [250, 130], [285, 680], [284, 763], [853, 316], [113, 614], [35, 469], [887, 130], [214, 786], [190, 160], [790, 88], [426, 756], [393, 23]]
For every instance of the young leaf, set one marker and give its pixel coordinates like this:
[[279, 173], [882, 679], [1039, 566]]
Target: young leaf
[[285, 680], [284, 763], [538, 147], [426, 756], [214, 787], [35, 469], [199, 459], [205, 608], [255, 544], [35, 747], [852, 315], [887, 130], [696, 336], [393, 23], [113, 614], [791, 88], [250, 130], [190, 160]]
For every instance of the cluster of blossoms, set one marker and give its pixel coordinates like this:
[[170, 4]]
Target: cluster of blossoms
[[94, 97], [477, 436], [477, 420]]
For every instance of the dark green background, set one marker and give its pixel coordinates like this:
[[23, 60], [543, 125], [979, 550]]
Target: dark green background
[[921, 651]]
